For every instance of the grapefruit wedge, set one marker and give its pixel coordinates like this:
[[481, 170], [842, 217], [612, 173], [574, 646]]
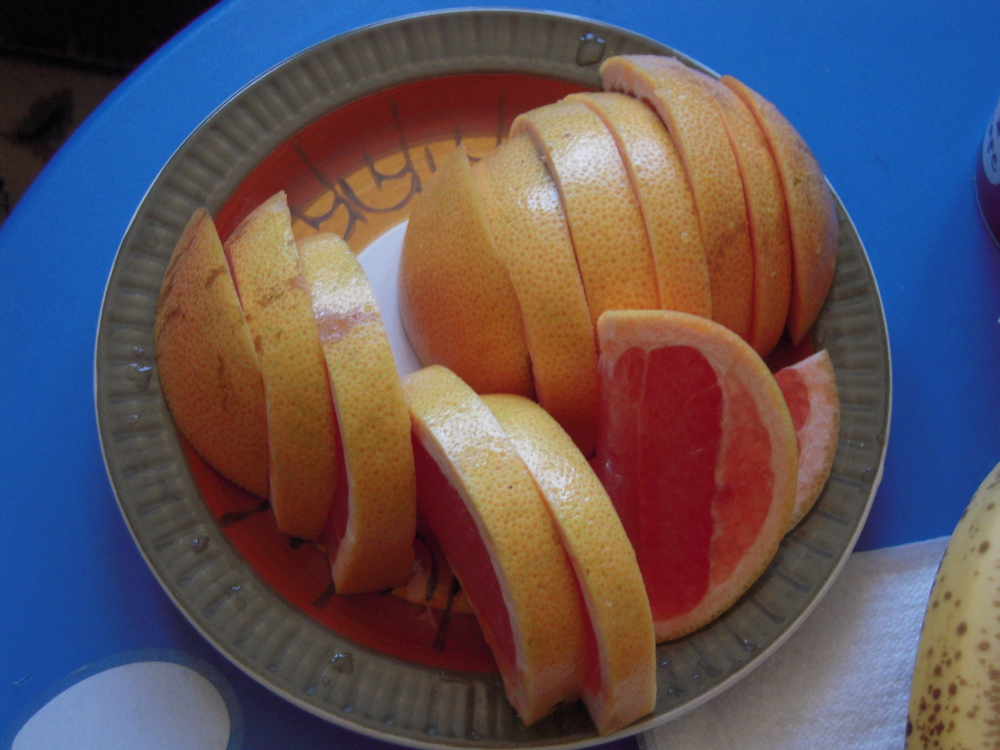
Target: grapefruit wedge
[[532, 238], [456, 300], [301, 429], [811, 212], [697, 450], [668, 209], [769, 230], [696, 127], [205, 358], [810, 390], [485, 511], [372, 522], [604, 217], [619, 683]]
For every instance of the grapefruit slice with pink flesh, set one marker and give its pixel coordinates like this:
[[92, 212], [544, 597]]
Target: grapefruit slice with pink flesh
[[482, 505], [532, 238], [811, 212], [206, 362], [810, 390], [456, 300], [619, 684], [301, 428], [696, 127], [374, 518], [697, 450], [668, 209], [605, 221], [766, 211]]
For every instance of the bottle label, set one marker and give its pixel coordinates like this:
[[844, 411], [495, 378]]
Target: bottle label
[[991, 149]]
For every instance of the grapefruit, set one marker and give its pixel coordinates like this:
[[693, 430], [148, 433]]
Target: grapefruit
[[697, 450], [766, 212], [619, 683], [810, 390], [205, 358], [532, 238], [668, 209], [373, 521], [301, 429], [604, 217], [811, 212], [696, 127], [456, 300], [482, 505]]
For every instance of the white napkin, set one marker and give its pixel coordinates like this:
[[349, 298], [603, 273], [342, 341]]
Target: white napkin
[[842, 680]]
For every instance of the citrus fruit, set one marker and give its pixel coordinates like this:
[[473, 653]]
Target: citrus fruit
[[619, 684], [696, 127], [766, 212], [374, 519], [301, 429], [605, 221], [480, 501], [810, 390], [205, 357], [456, 300], [533, 241], [697, 451], [668, 209], [811, 212]]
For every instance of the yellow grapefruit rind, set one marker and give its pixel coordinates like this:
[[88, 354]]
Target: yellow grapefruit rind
[[532, 238], [818, 437], [456, 300], [668, 211], [205, 358], [376, 550], [765, 200], [602, 559], [737, 366], [605, 221], [536, 578], [697, 130], [812, 214], [301, 428]]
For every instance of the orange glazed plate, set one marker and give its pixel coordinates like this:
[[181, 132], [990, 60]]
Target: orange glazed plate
[[352, 144]]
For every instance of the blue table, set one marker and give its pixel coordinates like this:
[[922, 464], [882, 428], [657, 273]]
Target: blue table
[[892, 97]]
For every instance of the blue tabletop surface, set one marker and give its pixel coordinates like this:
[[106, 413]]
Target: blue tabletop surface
[[893, 98]]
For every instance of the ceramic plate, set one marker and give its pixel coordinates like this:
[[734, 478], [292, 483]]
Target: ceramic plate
[[351, 129]]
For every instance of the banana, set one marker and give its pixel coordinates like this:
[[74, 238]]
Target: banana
[[955, 696]]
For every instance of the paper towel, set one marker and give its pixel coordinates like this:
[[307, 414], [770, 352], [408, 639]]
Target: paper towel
[[841, 681]]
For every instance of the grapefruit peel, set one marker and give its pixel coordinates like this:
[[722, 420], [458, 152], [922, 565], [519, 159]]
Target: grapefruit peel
[[206, 362], [374, 518], [521, 585], [301, 427], [619, 683]]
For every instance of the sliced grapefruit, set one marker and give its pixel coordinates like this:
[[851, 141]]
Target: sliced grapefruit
[[301, 429], [532, 238], [480, 501], [206, 362], [697, 451], [811, 211], [604, 217], [374, 520], [697, 129], [668, 209], [619, 683], [769, 230], [456, 300], [810, 390]]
